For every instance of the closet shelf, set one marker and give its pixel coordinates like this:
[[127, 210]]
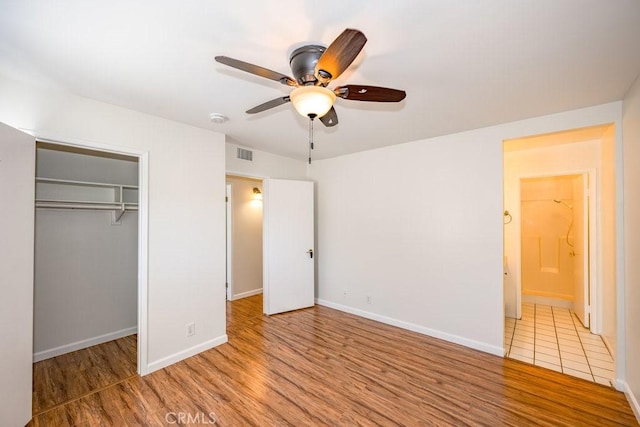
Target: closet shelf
[[54, 193]]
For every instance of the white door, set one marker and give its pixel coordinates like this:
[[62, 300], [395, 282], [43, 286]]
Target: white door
[[581, 249], [17, 181], [288, 244]]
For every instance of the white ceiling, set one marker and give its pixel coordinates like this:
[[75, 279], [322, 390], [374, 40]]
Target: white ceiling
[[464, 64]]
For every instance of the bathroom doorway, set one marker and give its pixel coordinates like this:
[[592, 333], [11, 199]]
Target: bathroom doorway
[[555, 242], [560, 283]]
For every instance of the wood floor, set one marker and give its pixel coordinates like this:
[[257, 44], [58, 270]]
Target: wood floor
[[323, 367], [68, 377]]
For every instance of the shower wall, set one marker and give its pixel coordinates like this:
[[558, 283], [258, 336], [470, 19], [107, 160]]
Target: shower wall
[[547, 235]]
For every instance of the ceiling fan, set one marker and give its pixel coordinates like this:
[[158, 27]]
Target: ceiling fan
[[314, 67]]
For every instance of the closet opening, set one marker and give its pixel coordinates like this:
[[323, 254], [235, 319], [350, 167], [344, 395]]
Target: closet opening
[[86, 272]]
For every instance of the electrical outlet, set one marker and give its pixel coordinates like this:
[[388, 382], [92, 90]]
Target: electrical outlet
[[368, 299], [191, 329]]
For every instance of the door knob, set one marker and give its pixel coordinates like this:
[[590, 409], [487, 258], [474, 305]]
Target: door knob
[[310, 252]]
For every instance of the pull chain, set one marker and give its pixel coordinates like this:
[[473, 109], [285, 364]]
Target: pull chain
[[310, 136]]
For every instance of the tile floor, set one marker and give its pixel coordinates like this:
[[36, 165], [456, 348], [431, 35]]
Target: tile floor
[[554, 338]]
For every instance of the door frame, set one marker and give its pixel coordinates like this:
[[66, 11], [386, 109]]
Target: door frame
[[143, 231], [591, 268], [229, 227], [229, 239]]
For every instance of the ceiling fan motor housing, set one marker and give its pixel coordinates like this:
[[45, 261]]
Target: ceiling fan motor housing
[[303, 63]]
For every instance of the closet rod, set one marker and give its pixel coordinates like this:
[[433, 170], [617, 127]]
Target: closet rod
[[85, 206]]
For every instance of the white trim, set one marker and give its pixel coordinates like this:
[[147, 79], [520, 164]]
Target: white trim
[[79, 345], [246, 294], [594, 245], [184, 354], [143, 229], [143, 262], [476, 345], [86, 144], [245, 175], [633, 402], [265, 246], [620, 360], [229, 240]]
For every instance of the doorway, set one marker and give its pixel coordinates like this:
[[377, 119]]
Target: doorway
[[555, 254], [244, 237], [551, 286], [270, 242]]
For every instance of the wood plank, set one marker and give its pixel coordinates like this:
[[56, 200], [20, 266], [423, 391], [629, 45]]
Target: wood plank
[[319, 366], [72, 375]]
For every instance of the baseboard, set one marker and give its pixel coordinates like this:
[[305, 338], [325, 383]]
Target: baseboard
[[79, 345], [545, 300], [477, 345], [184, 354], [246, 294], [633, 402]]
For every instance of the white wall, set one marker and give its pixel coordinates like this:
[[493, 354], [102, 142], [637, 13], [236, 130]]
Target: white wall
[[17, 168], [418, 227], [264, 165], [86, 270], [246, 236], [631, 297], [186, 177]]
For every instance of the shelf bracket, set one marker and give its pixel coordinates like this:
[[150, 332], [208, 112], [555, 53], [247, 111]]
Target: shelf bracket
[[116, 219]]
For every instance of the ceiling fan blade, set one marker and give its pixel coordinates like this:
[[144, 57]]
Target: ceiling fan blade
[[269, 104], [330, 119], [257, 70], [370, 93], [339, 55]]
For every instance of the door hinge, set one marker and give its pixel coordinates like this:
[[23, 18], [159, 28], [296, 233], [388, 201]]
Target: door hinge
[[226, 198], [226, 285]]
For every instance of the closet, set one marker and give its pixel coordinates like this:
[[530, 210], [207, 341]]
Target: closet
[[86, 247]]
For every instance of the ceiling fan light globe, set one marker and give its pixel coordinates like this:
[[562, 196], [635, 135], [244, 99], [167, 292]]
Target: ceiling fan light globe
[[312, 100]]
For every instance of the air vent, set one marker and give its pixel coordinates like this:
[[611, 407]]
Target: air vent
[[245, 154]]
